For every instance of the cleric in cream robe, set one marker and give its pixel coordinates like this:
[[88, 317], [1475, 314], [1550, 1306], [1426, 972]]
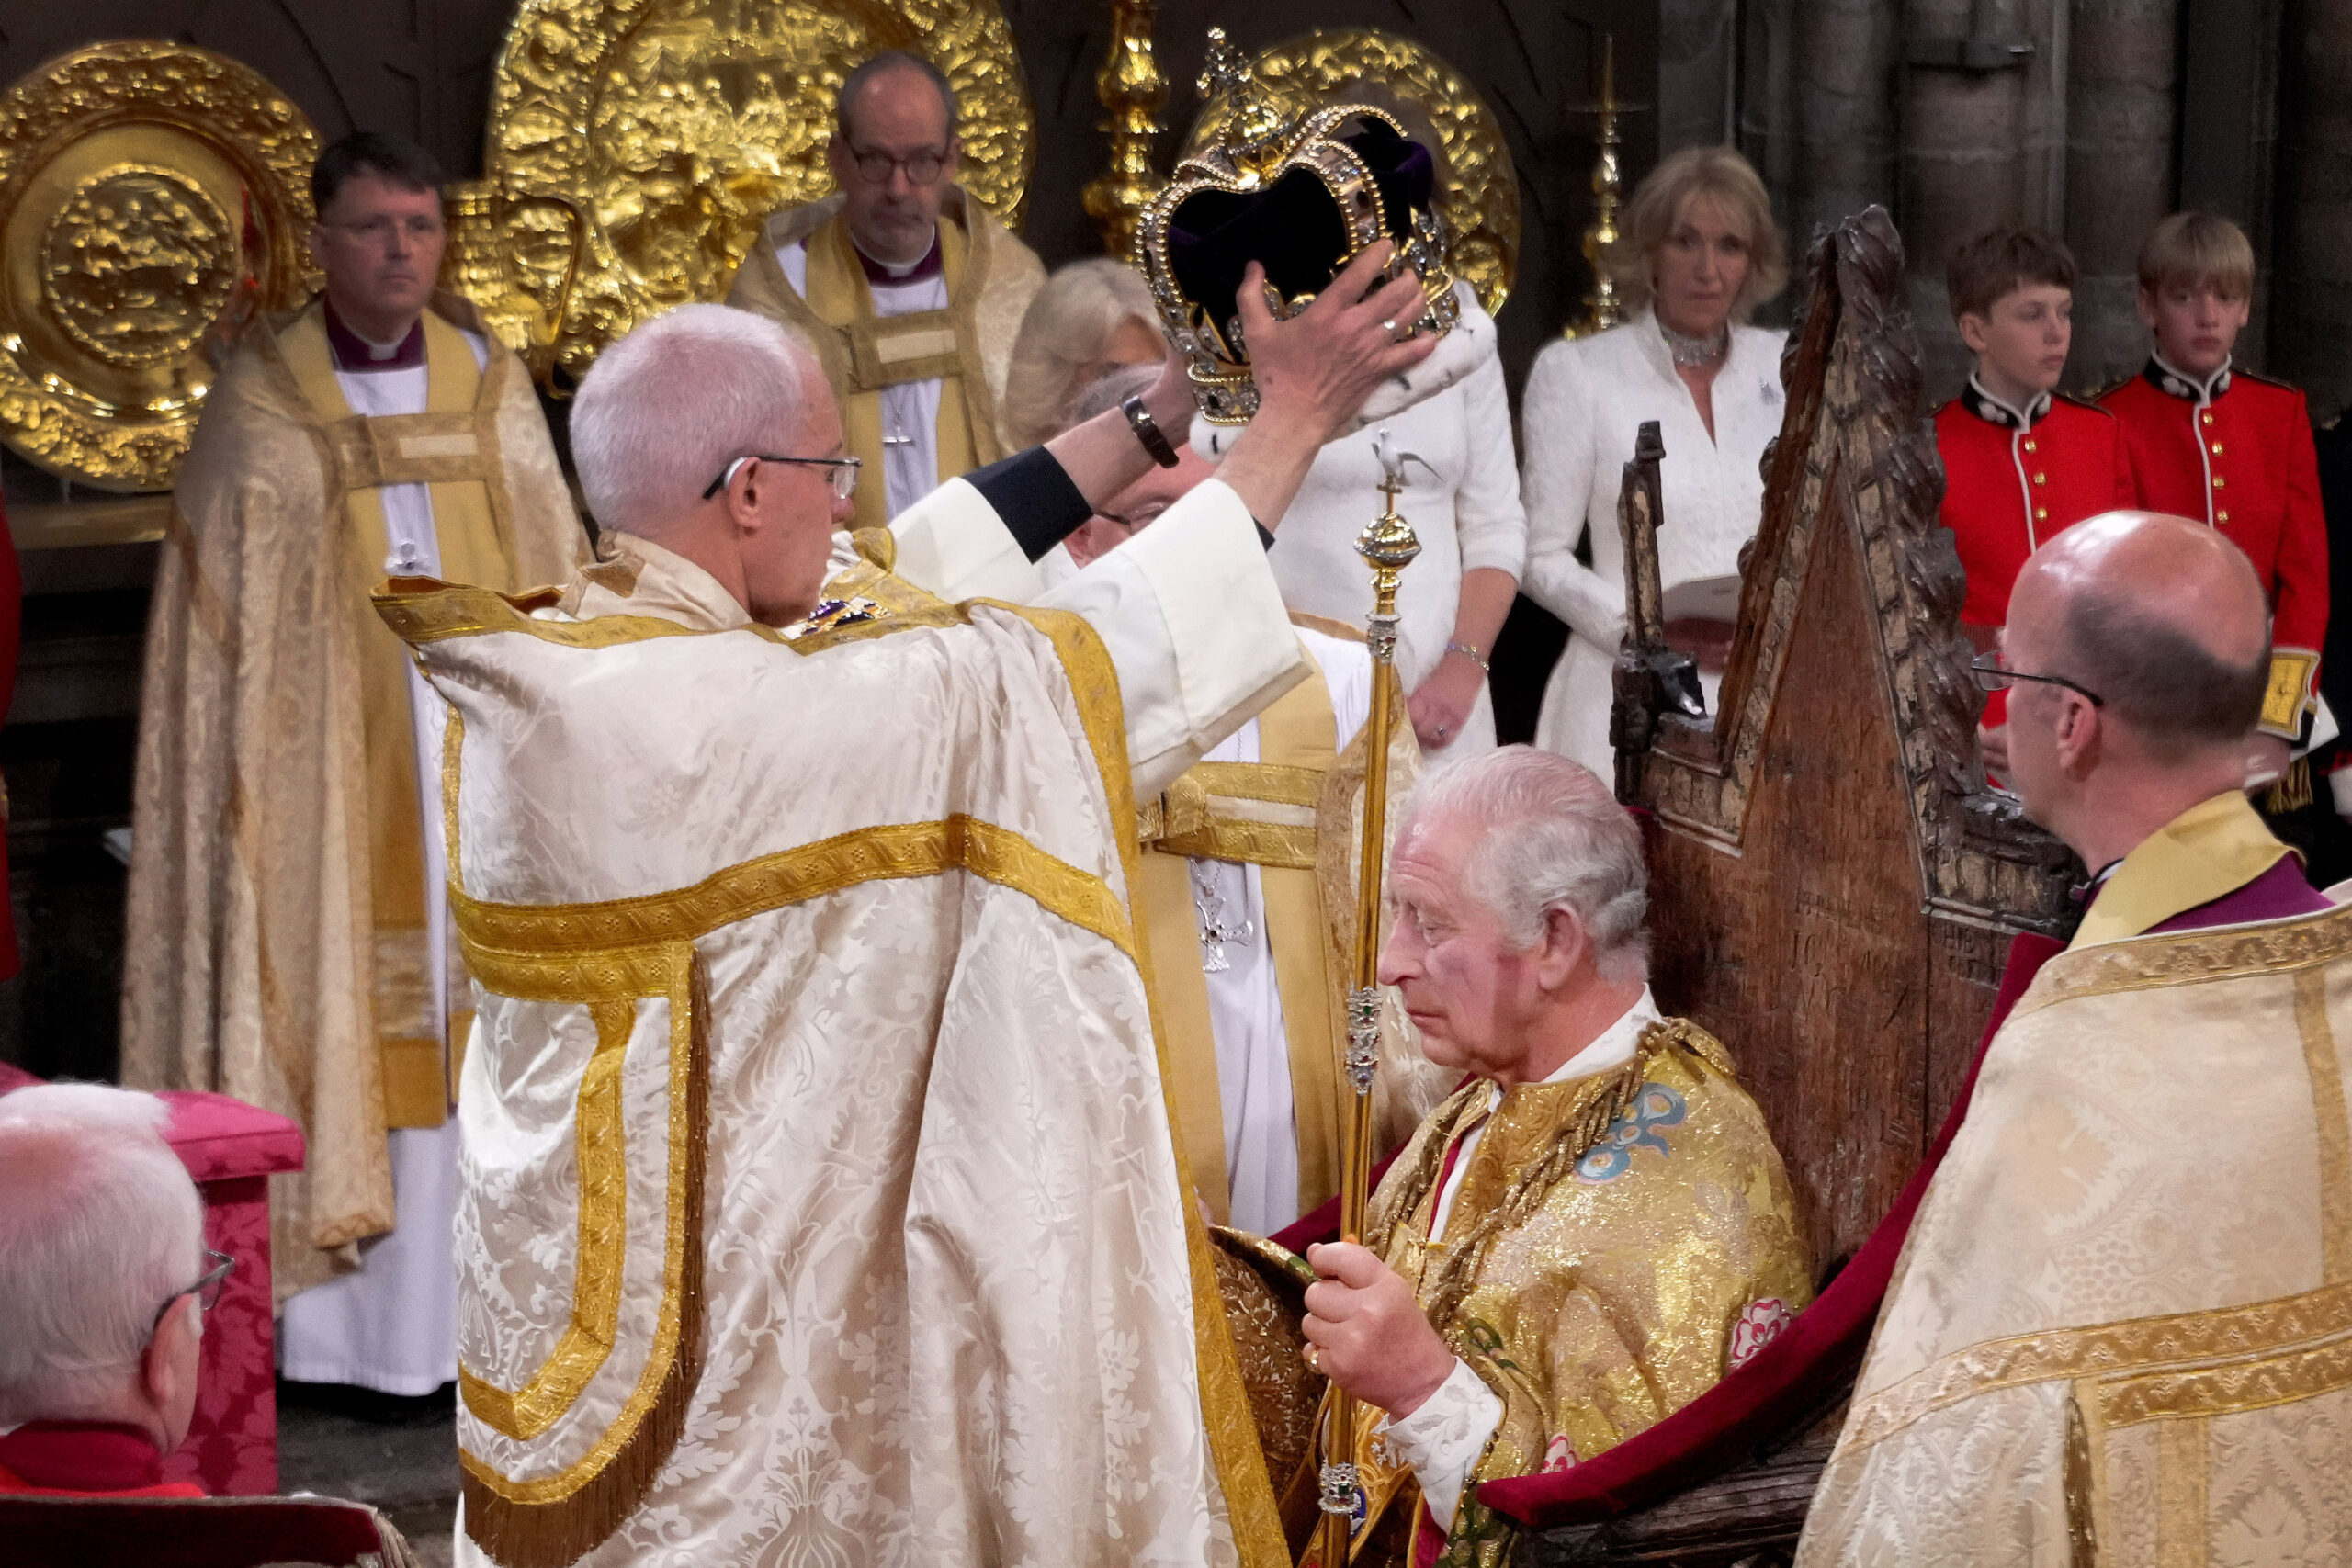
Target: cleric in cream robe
[[820, 1193], [911, 292], [2117, 1329], [1245, 889], [287, 934]]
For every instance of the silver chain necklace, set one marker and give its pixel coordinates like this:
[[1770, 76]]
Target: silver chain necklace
[[1691, 353], [1217, 928]]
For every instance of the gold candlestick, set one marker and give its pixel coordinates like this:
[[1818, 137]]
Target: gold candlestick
[[1388, 545], [1133, 90], [1602, 310]]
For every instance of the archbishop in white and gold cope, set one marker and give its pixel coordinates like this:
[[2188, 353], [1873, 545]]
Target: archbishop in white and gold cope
[[819, 1196]]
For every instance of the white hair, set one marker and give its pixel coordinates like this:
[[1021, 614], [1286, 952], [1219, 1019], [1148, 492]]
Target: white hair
[[1554, 838], [1065, 333], [676, 399], [100, 1224]]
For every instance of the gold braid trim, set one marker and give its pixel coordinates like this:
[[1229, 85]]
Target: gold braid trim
[[558, 1519]]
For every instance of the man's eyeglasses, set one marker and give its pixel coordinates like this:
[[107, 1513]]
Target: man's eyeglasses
[[1142, 516], [875, 168], [844, 472], [206, 1290], [1991, 677], [379, 231]]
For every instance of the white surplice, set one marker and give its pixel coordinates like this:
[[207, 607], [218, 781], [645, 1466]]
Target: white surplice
[[909, 409]]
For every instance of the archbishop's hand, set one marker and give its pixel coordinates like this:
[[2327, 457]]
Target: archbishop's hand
[[1316, 369], [1369, 1335]]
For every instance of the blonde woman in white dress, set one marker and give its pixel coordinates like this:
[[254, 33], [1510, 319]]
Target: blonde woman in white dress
[[1699, 252]]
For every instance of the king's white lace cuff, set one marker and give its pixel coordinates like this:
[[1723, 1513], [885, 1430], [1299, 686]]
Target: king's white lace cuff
[[1443, 1439]]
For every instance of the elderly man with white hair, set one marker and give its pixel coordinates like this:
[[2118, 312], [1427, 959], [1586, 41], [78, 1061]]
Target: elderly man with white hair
[[104, 1283], [819, 1196], [1590, 1232]]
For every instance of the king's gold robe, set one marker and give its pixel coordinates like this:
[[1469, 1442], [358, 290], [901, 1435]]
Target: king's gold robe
[[967, 347], [2120, 1330], [1623, 1237], [276, 946]]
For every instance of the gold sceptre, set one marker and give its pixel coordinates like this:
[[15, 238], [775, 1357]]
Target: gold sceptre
[[1388, 545]]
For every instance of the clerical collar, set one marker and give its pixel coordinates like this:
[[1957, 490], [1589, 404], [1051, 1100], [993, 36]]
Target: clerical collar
[[82, 1456], [893, 276], [2180, 384], [1993, 410], [353, 353]]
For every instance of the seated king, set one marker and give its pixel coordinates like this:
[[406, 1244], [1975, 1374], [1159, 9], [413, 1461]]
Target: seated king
[[1590, 1232], [911, 292]]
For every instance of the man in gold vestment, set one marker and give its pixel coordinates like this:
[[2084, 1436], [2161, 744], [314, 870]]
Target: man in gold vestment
[[287, 933], [1591, 1232], [1247, 893], [2121, 1331], [911, 293]]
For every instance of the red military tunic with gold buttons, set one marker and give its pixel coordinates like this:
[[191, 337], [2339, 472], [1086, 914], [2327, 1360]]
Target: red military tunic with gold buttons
[[2235, 451], [2013, 478]]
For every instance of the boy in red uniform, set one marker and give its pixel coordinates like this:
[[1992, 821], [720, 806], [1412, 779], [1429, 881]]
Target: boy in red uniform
[[2211, 441], [2021, 459]]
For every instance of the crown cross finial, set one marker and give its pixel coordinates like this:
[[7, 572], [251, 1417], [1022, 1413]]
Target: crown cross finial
[[1226, 71]]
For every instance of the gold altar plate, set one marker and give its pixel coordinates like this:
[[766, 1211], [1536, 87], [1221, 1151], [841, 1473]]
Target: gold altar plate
[[151, 198], [1478, 194], [676, 127]]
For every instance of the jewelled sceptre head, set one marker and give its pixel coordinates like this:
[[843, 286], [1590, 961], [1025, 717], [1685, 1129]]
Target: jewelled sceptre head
[[1388, 545]]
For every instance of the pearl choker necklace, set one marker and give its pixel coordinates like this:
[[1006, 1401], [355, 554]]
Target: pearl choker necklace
[[1690, 353]]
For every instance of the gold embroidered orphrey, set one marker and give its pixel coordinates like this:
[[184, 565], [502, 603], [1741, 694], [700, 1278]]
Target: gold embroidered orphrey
[[673, 127], [153, 197], [1477, 187]]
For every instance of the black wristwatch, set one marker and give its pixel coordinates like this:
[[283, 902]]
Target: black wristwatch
[[1147, 431]]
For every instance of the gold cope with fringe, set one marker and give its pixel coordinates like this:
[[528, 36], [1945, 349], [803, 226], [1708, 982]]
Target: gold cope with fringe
[[615, 957], [277, 924]]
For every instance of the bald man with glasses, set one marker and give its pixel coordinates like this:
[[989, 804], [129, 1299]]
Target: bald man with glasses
[[2137, 1249], [910, 289]]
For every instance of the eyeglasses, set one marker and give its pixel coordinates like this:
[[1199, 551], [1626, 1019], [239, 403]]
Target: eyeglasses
[[844, 475], [379, 231], [1142, 516], [1991, 677], [875, 168], [206, 1290]]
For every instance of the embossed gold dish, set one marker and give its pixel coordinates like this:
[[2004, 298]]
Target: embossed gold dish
[[673, 127], [153, 197]]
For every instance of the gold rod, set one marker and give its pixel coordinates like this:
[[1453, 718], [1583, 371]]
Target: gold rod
[[1388, 545]]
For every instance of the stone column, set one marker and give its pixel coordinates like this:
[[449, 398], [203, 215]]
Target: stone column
[[2311, 330], [1963, 162], [1844, 63], [1696, 51], [2123, 93]]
